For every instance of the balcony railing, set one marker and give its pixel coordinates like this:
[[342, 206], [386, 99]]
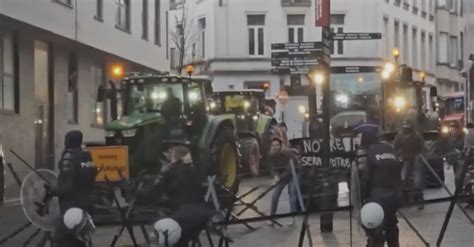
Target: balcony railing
[[296, 3]]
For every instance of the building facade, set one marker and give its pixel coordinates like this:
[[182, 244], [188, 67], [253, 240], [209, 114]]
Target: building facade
[[231, 40], [451, 35], [54, 55]]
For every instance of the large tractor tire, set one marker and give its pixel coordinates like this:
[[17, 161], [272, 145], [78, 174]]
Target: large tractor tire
[[226, 158], [250, 160], [226, 166]]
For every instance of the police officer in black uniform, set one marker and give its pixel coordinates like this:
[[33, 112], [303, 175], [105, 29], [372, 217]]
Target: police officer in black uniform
[[75, 184], [380, 181]]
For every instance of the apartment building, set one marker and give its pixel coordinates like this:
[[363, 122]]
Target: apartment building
[[53, 56]]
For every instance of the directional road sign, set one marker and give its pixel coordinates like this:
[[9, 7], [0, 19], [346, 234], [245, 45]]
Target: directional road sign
[[356, 36]]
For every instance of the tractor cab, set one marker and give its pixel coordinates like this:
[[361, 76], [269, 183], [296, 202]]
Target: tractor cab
[[245, 105], [154, 109]]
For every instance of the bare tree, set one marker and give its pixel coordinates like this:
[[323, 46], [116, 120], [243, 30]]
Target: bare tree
[[181, 37]]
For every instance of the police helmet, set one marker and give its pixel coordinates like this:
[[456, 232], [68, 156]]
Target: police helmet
[[80, 223], [372, 215], [167, 232]]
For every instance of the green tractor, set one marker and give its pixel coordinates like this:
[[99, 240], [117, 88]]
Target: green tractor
[[255, 129], [157, 110]]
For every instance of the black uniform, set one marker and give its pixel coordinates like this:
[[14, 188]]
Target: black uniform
[[380, 179], [75, 184], [179, 185], [192, 218]]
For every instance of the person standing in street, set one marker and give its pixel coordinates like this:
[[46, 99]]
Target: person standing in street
[[457, 143], [75, 184], [280, 160], [380, 182], [409, 144]]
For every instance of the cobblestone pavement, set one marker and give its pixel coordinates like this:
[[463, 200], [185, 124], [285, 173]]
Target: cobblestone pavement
[[460, 232]]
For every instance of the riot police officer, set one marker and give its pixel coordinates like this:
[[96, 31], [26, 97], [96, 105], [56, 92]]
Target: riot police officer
[[75, 184], [380, 181]]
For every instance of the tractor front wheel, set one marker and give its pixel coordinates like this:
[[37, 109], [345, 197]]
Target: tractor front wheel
[[226, 158]]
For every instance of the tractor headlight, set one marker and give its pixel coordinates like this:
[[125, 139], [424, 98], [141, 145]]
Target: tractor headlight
[[109, 133], [129, 133], [445, 130], [255, 117], [399, 103]]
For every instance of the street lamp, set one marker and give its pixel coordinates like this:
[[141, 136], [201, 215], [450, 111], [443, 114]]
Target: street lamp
[[422, 76], [117, 71], [396, 53]]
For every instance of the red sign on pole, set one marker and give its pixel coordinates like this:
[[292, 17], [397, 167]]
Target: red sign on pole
[[323, 13]]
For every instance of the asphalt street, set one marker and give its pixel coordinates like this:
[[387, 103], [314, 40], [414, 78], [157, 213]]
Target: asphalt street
[[428, 222]]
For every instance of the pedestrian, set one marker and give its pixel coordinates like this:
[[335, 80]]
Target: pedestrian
[[75, 184], [457, 143], [409, 144], [380, 182], [280, 161]]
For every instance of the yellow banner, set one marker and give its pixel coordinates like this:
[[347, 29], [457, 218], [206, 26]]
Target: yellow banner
[[110, 160]]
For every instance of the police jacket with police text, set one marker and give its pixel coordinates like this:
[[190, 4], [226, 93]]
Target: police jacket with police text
[[380, 170], [76, 179]]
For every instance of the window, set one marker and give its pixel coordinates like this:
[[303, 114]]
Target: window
[[295, 28], [256, 25], [73, 93], [405, 44], [430, 53], [172, 58], [453, 51], [386, 37], [157, 22], [337, 26], [396, 34], [442, 3], [423, 51], [8, 73], [461, 41], [202, 36], [414, 48], [450, 4], [167, 34], [64, 2], [145, 19], [123, 15], [443, 48], [99, 10], [100, 110]]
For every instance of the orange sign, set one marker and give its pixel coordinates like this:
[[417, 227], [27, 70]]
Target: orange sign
[[112, 161]]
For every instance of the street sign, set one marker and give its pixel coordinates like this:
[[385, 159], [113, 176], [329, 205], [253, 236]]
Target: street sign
[[298, 46], [298, 58], [295, 62], [356, 36], [109, 160], [298, 54]]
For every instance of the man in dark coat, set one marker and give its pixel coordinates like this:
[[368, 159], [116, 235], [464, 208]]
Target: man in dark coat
[[409, 144], [75, 184]]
